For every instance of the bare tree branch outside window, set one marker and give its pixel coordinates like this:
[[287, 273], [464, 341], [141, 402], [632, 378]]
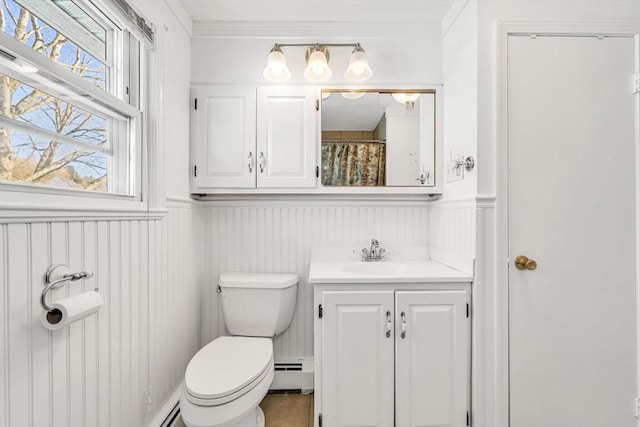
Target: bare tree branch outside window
[[26, 158]]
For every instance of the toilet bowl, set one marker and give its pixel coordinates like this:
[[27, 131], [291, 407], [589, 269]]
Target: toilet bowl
[[227, 379], [225, 382]]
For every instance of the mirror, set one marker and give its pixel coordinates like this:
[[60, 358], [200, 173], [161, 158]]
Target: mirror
[[373, 138]]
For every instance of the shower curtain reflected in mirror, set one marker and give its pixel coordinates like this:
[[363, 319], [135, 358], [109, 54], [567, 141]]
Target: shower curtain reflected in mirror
[[353, 163]]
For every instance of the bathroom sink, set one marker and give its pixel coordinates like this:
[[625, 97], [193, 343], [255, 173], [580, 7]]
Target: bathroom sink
[[408, 265], [383, 268]]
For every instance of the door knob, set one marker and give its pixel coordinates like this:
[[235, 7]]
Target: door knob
[[524, 263]]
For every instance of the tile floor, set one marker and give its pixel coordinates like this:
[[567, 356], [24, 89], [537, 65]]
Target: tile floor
[[288, 409], [284, 410]]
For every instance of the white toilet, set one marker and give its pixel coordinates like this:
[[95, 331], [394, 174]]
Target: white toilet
[[226, 380]]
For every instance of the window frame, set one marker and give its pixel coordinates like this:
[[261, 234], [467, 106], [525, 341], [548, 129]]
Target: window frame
[[126, 164]]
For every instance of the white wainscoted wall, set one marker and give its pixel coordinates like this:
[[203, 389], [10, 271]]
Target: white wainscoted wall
[[116, 368], [452, 228], [123, 366], [272, 236], [174, 301]]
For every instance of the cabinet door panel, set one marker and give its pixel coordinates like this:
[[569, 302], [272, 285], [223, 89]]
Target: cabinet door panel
[[432, 360], [224, 145], [286, 137], [357, 359]]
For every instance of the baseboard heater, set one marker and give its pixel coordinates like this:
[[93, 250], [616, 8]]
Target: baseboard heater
[[172, 418], [288, 366], [293, 375]]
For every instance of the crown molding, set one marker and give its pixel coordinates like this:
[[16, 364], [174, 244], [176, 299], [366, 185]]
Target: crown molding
[[327, 30]]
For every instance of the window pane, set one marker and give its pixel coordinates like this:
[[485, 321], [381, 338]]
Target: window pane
[[45, 162], [51, 142], [29, 29]]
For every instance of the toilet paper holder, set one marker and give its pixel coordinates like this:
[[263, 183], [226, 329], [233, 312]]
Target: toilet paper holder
[[55, 277]]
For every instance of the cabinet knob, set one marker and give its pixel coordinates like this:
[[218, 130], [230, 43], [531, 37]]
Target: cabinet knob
[[261, 163], [403, 325]]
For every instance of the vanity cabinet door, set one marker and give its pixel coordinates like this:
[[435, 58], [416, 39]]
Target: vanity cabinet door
[[432, 365], [286, 137], [357, 359], [224, 137]]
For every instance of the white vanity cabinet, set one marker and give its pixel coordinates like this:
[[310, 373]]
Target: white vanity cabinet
[[392, 354], [251, 138]]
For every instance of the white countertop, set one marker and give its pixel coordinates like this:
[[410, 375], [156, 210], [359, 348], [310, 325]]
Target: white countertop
[[397, 269]]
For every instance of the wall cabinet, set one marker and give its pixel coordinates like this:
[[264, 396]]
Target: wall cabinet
[[392, 357], [247, 137]]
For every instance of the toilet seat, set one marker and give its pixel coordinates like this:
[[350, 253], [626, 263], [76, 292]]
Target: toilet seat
[[227, 368]]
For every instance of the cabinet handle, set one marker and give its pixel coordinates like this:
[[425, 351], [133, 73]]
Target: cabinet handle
[[261, 162], [250, 162], [404, 325], [388, 324]]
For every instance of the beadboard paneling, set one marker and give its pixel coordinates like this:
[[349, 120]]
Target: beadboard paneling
[[174, 300], [98, 371], [279, 239], [452, 233]]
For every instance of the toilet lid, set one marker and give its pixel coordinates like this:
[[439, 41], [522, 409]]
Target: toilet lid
[[227, 365]]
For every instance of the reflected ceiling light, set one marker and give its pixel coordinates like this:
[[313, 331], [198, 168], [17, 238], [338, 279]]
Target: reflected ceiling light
[[352, 95], [325, 95], [276, 69], [317, 57], [408, 99], [359, 69]]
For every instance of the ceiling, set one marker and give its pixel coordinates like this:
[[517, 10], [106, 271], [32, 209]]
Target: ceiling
[[383, 11]]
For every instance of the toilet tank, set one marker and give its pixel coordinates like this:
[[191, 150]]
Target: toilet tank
[[258, 304]]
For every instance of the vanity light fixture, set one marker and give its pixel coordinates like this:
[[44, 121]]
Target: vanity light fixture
[[408, 99], [317, 57]]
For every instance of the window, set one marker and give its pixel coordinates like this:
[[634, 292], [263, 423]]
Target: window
[[69, 98]]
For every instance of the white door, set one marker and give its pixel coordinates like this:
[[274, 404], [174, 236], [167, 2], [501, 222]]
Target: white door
[[571, 172], [432, 359], [357, 359], [224, 138], [286, 137]]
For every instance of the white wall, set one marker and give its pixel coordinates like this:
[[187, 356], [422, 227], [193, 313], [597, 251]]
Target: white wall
[[452, 219], [277, 236], [173, 35], [99, 370], [237, 54], [121, 366], [460, 64]]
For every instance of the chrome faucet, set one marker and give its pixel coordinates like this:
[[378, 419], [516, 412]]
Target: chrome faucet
[[375, 252]]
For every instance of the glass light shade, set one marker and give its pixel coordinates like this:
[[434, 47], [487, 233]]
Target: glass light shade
[[403, 98], [352, 95], [408, 99], [317, 68], [358, 69], [276, 69]]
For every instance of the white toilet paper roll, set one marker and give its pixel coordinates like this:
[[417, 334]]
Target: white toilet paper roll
[[72, 309]]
